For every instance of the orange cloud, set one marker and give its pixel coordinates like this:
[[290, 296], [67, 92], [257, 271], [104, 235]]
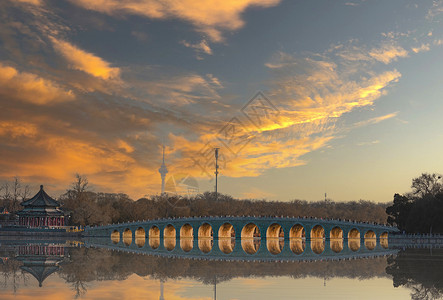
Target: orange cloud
[[84, 61], [17, 129], [31, 88], [33, 2], [385, 53], [209, 17], [388, 53], [376, 120]]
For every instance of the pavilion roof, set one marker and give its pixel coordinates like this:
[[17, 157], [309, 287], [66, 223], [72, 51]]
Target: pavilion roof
[[41, 199]]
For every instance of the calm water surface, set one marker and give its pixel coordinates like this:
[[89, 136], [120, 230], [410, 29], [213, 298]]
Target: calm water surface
[[95, 269]]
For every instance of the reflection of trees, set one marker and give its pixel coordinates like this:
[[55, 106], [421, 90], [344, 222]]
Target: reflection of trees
[[88, 264], [421, 270], [84, 265], [12, 274]]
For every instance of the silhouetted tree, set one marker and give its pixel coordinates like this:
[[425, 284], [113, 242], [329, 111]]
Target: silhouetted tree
[[421, 210]]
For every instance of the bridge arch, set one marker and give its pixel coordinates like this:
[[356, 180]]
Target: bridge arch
[[205, 231], [336, 233], [384, 240], [226, 231], [154, 232], [317, 232], [115, 236], [186, 231], [250, 238], [370, 234], [354, 234], [297, 231], [275, 238], [169, 231], [140, 237], [274, 231], [169, 240], [127, 236], [250, 230]]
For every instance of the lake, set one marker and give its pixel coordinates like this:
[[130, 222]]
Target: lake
[[106, 269]]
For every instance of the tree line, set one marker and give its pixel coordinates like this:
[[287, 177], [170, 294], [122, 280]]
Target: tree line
[[86, 207]]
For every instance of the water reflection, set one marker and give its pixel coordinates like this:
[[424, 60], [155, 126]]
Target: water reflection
[[115, 237], [420, 270], [169, 243], [275, 245], [226, 245], [318, 246], [370, 243], [297, 245], [154, 242], [337, 245], [354, 244], [186, 244], [250, 245], [127, 240], [384, 243], [140, 241], [205, 244]]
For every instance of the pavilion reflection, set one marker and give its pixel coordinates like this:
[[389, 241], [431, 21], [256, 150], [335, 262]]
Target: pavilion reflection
[[41, 260]]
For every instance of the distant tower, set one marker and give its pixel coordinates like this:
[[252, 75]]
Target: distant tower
[[163, 171], [161, 290]]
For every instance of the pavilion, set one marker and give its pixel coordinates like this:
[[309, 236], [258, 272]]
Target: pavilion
[[41, 211]]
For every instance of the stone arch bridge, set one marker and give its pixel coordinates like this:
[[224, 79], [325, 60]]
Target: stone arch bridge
[[199, 233], [243, 227]]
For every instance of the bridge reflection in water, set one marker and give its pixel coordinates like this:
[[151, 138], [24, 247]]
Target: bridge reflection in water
[[248, 248]]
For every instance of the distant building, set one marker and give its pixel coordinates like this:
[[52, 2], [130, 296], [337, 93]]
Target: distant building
[[41, 211], [163, 171]]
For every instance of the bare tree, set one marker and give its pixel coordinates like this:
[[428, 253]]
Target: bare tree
[[427, 184]]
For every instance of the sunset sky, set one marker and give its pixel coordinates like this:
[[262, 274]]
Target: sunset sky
[[302, 97]]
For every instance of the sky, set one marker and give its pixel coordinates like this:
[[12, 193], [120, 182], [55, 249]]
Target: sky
[[303, 98]]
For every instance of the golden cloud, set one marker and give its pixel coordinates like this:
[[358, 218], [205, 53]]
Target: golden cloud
[[209, 17], [31, 88], [39, 155], [376, 120], [388, 53], [84, 61], [33, 2]]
